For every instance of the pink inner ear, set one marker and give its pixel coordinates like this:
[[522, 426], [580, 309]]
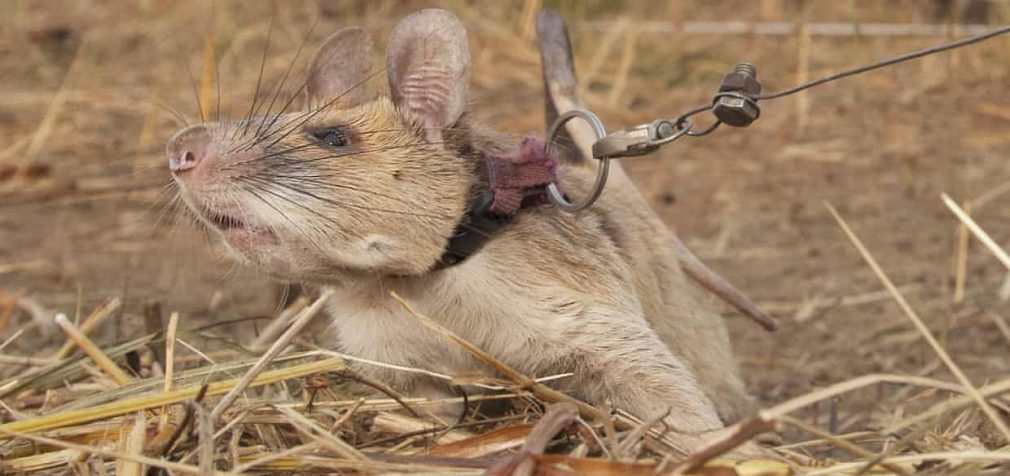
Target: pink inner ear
[[428, 64], [340, 69], [427, 95]]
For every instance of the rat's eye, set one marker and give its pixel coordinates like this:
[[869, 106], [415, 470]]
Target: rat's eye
[[330, 136]]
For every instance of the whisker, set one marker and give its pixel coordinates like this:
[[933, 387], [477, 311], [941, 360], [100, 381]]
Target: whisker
[[312, 113], [284, 78], [259, 78], [196, 93], [366, 151], [265, 188], [323, 185], [271, 155], [217, 61], [298, 228], [344, 204]]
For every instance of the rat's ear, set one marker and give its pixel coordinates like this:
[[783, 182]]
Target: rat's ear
[[428, 63], [340, 69]]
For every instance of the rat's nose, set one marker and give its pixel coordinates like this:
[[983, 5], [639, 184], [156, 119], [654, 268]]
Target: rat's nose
[[188, 148]]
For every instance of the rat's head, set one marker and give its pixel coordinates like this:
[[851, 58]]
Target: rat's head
[[355, 184]]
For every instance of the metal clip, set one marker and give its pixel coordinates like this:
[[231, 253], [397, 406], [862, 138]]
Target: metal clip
[[639, 140]]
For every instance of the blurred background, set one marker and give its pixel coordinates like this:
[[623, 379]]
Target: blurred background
[[91, 90]]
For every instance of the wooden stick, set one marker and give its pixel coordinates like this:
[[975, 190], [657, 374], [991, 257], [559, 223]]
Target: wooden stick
[[282, 343], [917, 321], [103, 361]]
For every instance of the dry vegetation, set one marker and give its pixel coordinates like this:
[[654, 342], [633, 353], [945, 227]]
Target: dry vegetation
[[175, 371]]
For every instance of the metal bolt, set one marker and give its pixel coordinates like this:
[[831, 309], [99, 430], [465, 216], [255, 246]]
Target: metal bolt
[[665, 129], [737, 111], [747, 69]]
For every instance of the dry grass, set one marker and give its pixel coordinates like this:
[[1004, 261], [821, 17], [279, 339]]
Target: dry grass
[[852, 383]]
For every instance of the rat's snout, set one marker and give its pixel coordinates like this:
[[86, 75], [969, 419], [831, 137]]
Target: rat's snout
[[188, 148]]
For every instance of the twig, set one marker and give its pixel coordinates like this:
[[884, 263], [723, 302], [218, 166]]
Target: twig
[[12, 338], [321, 436], [96, 318], [623, 449], [942, 354], [205, 438], [556, 418], [437, 429], [24, 360], [134, 446], [173, 325], [154, 323], [977, 231], [121, 407], [277, 325], [736, 435], [892, 450], [282, 343], [990, 390], [270, 457], [196, 351], [447, 378], [846, 445], [961, 264], [187, 420], [381, 387], [962, 456], [765, 419], [347, 415], [103, 361]]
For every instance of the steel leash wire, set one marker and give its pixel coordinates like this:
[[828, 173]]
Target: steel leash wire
[[683, 126], [683, 119]]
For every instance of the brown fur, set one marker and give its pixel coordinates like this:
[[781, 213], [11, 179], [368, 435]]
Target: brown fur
[[599, 293]]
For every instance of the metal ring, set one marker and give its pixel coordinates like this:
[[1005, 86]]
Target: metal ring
[[602, 171]]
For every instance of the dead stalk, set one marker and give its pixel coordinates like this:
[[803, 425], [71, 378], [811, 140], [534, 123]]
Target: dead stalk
[[282, 343], [914, 317]]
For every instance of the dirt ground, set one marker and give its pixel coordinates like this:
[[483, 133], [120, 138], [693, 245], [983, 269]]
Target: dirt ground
[[84, 112]]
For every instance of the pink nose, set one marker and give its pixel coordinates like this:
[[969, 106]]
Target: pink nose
[[188, 148]]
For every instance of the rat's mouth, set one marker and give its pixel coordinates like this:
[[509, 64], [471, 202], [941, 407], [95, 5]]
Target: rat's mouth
[[224, 222], [238, 231]]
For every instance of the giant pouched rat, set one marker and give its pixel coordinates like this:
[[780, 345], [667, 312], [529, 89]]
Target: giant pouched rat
[[362, 193]]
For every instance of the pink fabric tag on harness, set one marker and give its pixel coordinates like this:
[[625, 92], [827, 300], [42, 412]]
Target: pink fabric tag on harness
[[521, 180]]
